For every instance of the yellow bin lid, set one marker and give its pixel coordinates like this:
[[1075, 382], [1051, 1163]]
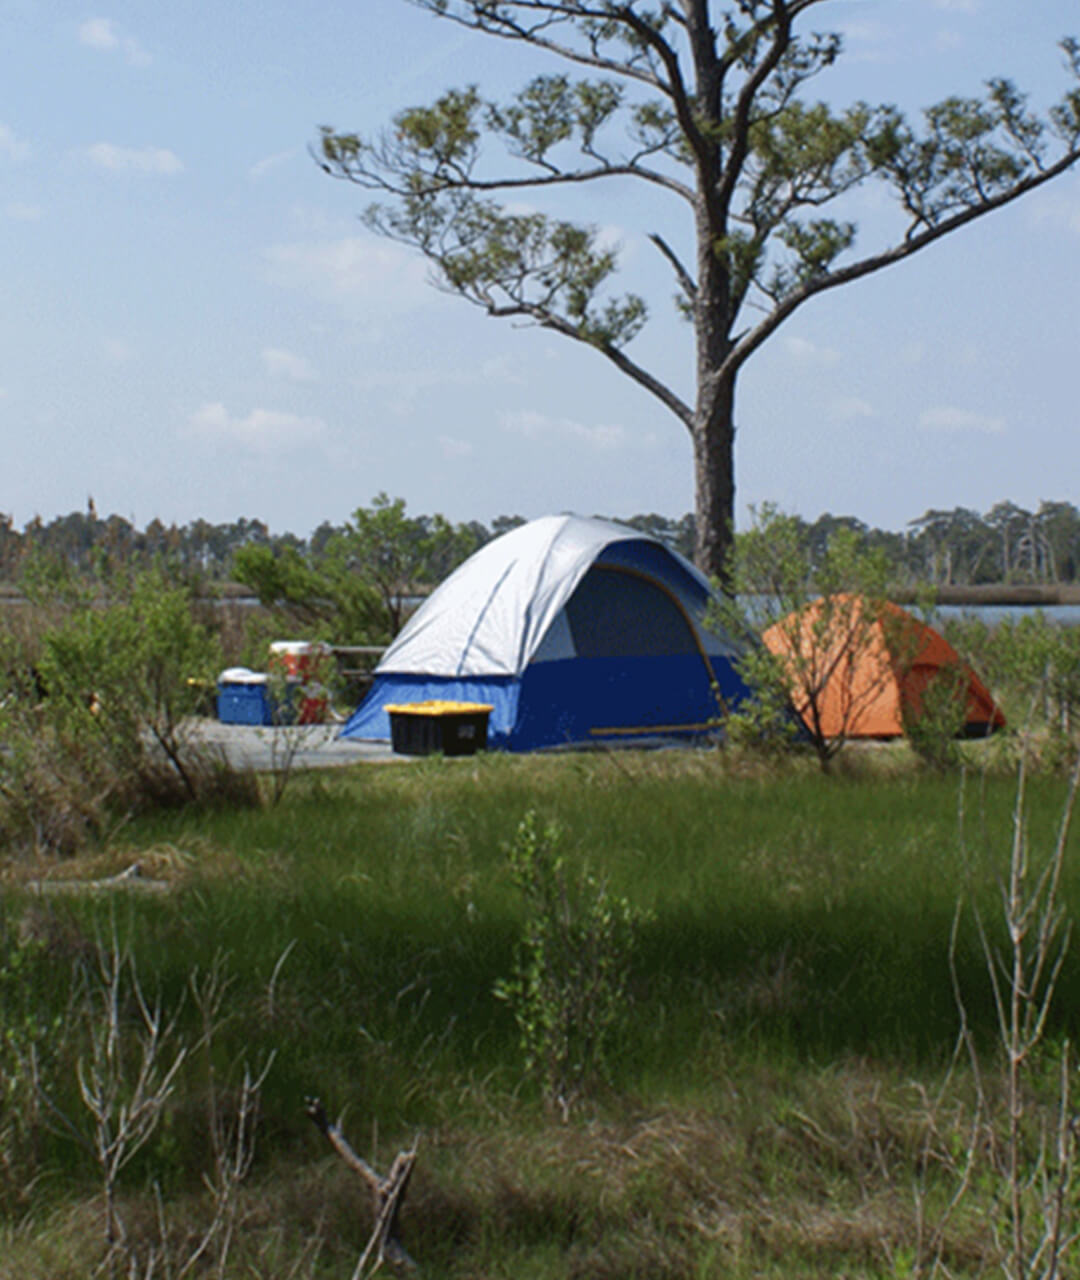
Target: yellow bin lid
[[438, 707]]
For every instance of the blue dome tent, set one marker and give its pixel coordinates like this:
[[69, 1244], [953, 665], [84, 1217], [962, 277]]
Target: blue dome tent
[[576, 631]]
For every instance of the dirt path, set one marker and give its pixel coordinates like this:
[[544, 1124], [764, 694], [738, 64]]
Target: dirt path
[[315, 746]]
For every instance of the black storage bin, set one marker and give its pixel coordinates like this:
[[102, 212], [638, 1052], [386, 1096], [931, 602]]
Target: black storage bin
[[427, 728]]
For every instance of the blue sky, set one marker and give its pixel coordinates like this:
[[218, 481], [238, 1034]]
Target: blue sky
[[195, 324]]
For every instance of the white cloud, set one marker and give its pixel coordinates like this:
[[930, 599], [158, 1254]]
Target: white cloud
[[11, 147], [311, 220], [280, 363], [452, 448], [116, 350], [949, 418], [106, 155], [136, 54], [501, 369], [409, 382], [98, 33], [807, 352], [615, 238], [262, 167], [947, 41], [23, 212], [860, 29], [533, 425], [607, 235], [866, 41], [104, 34], [1060, 208], [260, 430], [353, 269], [401, 388], [849, 408], [958, 6]]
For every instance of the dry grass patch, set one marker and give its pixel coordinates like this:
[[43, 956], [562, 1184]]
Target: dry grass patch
[[806, 1176]]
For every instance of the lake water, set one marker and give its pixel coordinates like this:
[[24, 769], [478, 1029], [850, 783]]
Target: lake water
[[1066, 615]]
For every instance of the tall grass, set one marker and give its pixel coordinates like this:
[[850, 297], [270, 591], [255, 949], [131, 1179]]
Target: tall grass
[[798, 926]]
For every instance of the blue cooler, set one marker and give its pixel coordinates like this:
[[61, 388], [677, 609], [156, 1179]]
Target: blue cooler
[[243, 697]]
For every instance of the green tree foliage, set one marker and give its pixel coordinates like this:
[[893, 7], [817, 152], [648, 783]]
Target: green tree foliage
[[677, 534], [397, 556], [706, 104], [365, 575], [958, 547], [282, 578], [322, 597], [1008, 544], [86, 547]]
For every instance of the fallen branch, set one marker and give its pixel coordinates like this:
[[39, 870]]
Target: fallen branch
[[133, 878], [387, 1194]]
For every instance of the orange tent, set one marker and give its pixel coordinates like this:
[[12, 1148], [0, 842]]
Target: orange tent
[[864, 668]]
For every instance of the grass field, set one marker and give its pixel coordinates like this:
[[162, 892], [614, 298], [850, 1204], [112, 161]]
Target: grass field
[[766, 1110]]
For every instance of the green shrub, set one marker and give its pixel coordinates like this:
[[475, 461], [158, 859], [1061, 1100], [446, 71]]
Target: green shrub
[[101, 724], [763, 724], [933, 718], [569, 988], [123, 682], [1032, 668]]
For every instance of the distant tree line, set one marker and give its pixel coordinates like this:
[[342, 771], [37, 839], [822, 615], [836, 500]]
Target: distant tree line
[[398, 554]]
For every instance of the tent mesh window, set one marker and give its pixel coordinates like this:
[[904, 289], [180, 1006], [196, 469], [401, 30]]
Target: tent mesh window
[[617, 613]]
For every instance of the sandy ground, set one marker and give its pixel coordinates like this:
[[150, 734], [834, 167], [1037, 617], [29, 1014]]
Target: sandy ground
[[316, 746]]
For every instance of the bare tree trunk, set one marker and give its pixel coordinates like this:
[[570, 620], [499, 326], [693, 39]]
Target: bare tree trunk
[[714, 483]]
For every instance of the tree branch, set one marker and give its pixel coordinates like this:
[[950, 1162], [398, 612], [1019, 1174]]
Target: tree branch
[[750, 342], [686, 281], [748, 110], [676, 86], [481, 17], [618, 357], [740, 133], [371, 181], [387, 1194]]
